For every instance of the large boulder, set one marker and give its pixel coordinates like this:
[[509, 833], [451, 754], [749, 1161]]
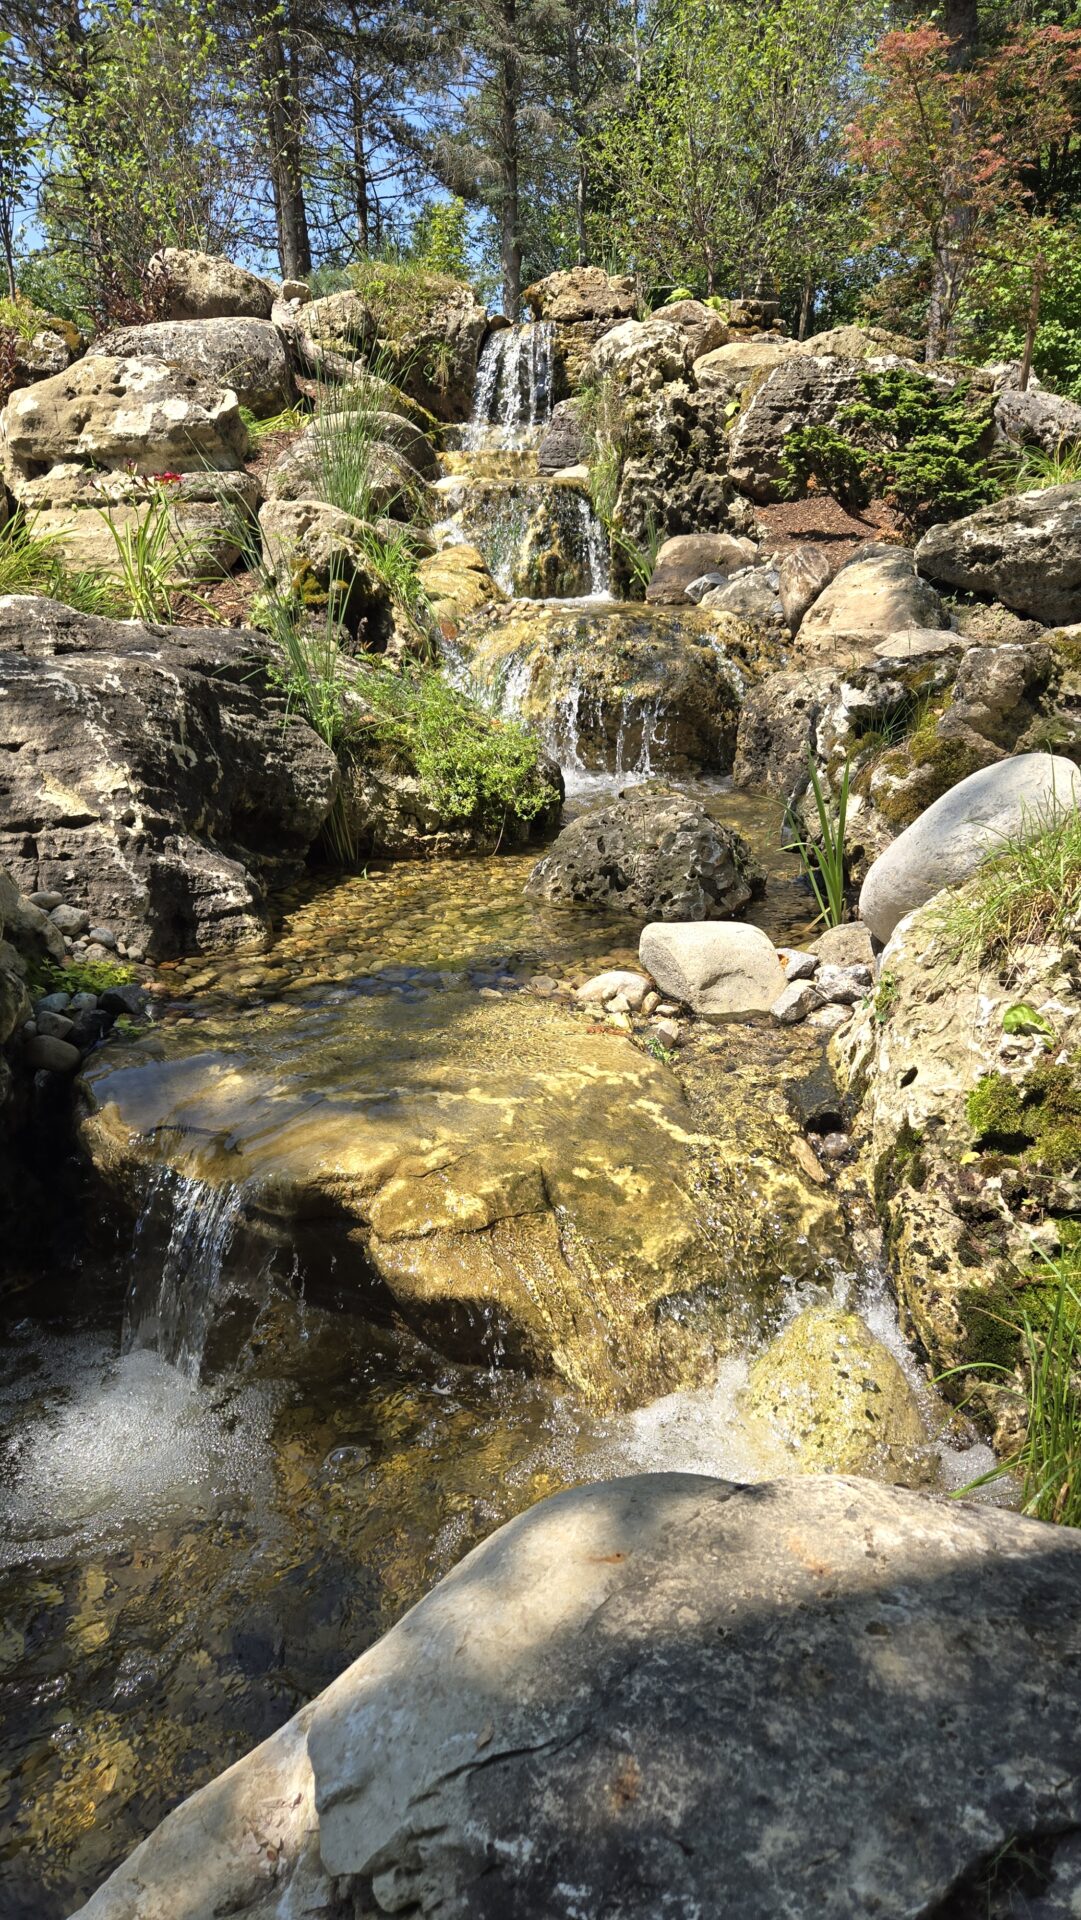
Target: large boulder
[[149, 775], [641, 355], [388, 461], [390, 813], [657, 855], [247, 356], [714, 966], [616, 688], [204, 286], [703, 326], [139, 416], [1037, 419], [827, 1397], [429, 332], [687, 556], [708, 1699], [319, 554], [732, 372], [877, 593], [334, 334], [563, 444], [778, 729], [1024, 550], [583, 293], [674, 449], [945, 845], [805, 390]]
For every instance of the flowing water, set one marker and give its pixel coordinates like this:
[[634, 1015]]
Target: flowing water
[[221, 1479]]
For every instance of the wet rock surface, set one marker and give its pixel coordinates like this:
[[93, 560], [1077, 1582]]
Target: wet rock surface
[[641, 1623], [147, 774], [653, 854]]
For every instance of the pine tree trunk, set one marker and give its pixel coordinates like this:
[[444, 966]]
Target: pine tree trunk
[[360, 161], [961, 24], [510, 99], [283, 141]]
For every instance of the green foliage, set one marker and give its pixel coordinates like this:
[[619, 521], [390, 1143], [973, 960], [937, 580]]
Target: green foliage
[[995, 305], [440, 234], [21, 317], [885, 998], [33, 563], [604, 419], [639, 557], [919, 447], [1024, 1019], [289, 420], [823, 860], [1028, 890], [405, 297], [78, 976], [1038, 468], [472, 767]]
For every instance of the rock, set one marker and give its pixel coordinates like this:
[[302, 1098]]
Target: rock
[[805, 390], [1024, 550], [125, 998], [919, 643], [457, 583], [641, 355], [946, 844], [802, 574], [729, 373], [140, 416], [703, 327], [104, 936], [843, 985], [391, 814], [47, 1055], [863, 343], [1037, 419], [582, 293], [778, 728], [56, 1026], [795, 1002], [751, 594], [849, 945], [71, 920], [204, 286], [797, 964], [209, 518], [833, 1399], [46, 354], [563, 443], [715, 966], [683, 558], [654, 854], [634, 988], [53, 1003], [245, 355], [45, 900], [430, 328], [641, 1624], [315, 549], [876, 593], [829, 1019], [167, 847], [334, 332], [617, 687], [668, 1032], [389, 480]]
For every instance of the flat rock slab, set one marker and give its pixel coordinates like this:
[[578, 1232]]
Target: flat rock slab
[[668, 1696]]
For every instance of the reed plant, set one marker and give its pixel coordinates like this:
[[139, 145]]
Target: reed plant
[[823, 859]]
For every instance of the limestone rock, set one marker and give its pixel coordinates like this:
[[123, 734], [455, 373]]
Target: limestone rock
[[318, 551], [146, 774], [640, 1625], [832, 1399], [778, 728], [582, 293], [334, 332], [685, 556], [641, 355], [391, 815], [946, 844], [210, 519], [849, 945], [1037, 419], [752, 594], [1024, 550], [615, 983], [805, 390], [108, 412], [393, 471], [245, 355], [727, 373], [703, 326], [562, 444], [714, 966], [875, 594], [654, 854], [674, 444], [204, 286], [458, 584]]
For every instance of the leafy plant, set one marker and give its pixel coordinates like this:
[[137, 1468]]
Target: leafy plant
[[640, 557], [1022, 1018], [885, 998], [820, 457], [151, 552], [78, 976], [823, 860], [289, 420], [1027, 890]]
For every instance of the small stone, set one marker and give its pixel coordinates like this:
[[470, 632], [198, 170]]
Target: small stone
[[83, 1002], [616, 981], [828, 1019], [93, 950], [53, 1003], [489, 993], [619, 1004], [668, 1032], [104, 936], [846, 946], [70, 920], [616, 1019], [797, 964], [55, 1024], [667, 1009], [834, 1146], [651, 1002], [45, 900], [543, 983], [137, 954], [797, 1000], [843, 986], [128, 998], [43, 1053]]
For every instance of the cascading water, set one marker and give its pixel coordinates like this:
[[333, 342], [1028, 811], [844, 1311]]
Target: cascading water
[[513, 393], [175, 1312]]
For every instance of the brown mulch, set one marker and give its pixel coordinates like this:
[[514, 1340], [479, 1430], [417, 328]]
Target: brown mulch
[[225, 602], [822, 520]]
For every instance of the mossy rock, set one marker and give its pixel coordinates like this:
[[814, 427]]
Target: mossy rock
[[1038, 1119], [827, 1397]]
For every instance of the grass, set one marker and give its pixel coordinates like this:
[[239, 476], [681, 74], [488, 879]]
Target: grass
[[348, 441], [290, 420], [602, 411], [1048, 1460], [1038, 468], [640, 557], [22, 318], [1028, 891], [403, 296], [823, 860], [34, 563]]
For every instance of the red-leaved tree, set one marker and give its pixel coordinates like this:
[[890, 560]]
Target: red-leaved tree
[[958, 156]]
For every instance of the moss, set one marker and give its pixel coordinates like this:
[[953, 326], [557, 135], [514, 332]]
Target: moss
[[78, 976], [885, 998], [1037, 1120], [904, 1164], [990, 1330], [928, 766]]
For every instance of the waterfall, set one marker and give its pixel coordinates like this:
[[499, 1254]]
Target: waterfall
[[512, 397], [595, 545], [176, 1313]]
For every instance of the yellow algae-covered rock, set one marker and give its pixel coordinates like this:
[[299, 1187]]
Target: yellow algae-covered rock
[[827, 1397]]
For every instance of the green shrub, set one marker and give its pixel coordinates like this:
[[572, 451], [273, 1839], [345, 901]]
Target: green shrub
[[78, 976], [1037, 468], [472, 768], [33, 563], [905, 440]]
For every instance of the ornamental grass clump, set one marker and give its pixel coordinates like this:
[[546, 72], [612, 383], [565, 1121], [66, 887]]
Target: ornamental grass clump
[[823, 860], [1027, 892]]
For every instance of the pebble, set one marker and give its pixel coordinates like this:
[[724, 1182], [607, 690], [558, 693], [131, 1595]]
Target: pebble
[[104, 936], [667, 1009], [834, 1146], [668, 1032], [795, 1002], [45, 900], [93, 950], [651, 1002], [489, 993], [797, 964]]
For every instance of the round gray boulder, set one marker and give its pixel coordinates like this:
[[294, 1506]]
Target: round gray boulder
[[657, 855], [946, 844], [719, 966]]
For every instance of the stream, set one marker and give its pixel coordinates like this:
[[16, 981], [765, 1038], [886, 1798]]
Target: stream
[[222, 1480]]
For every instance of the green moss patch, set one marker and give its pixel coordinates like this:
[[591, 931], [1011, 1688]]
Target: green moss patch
[[1037, 1120]]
